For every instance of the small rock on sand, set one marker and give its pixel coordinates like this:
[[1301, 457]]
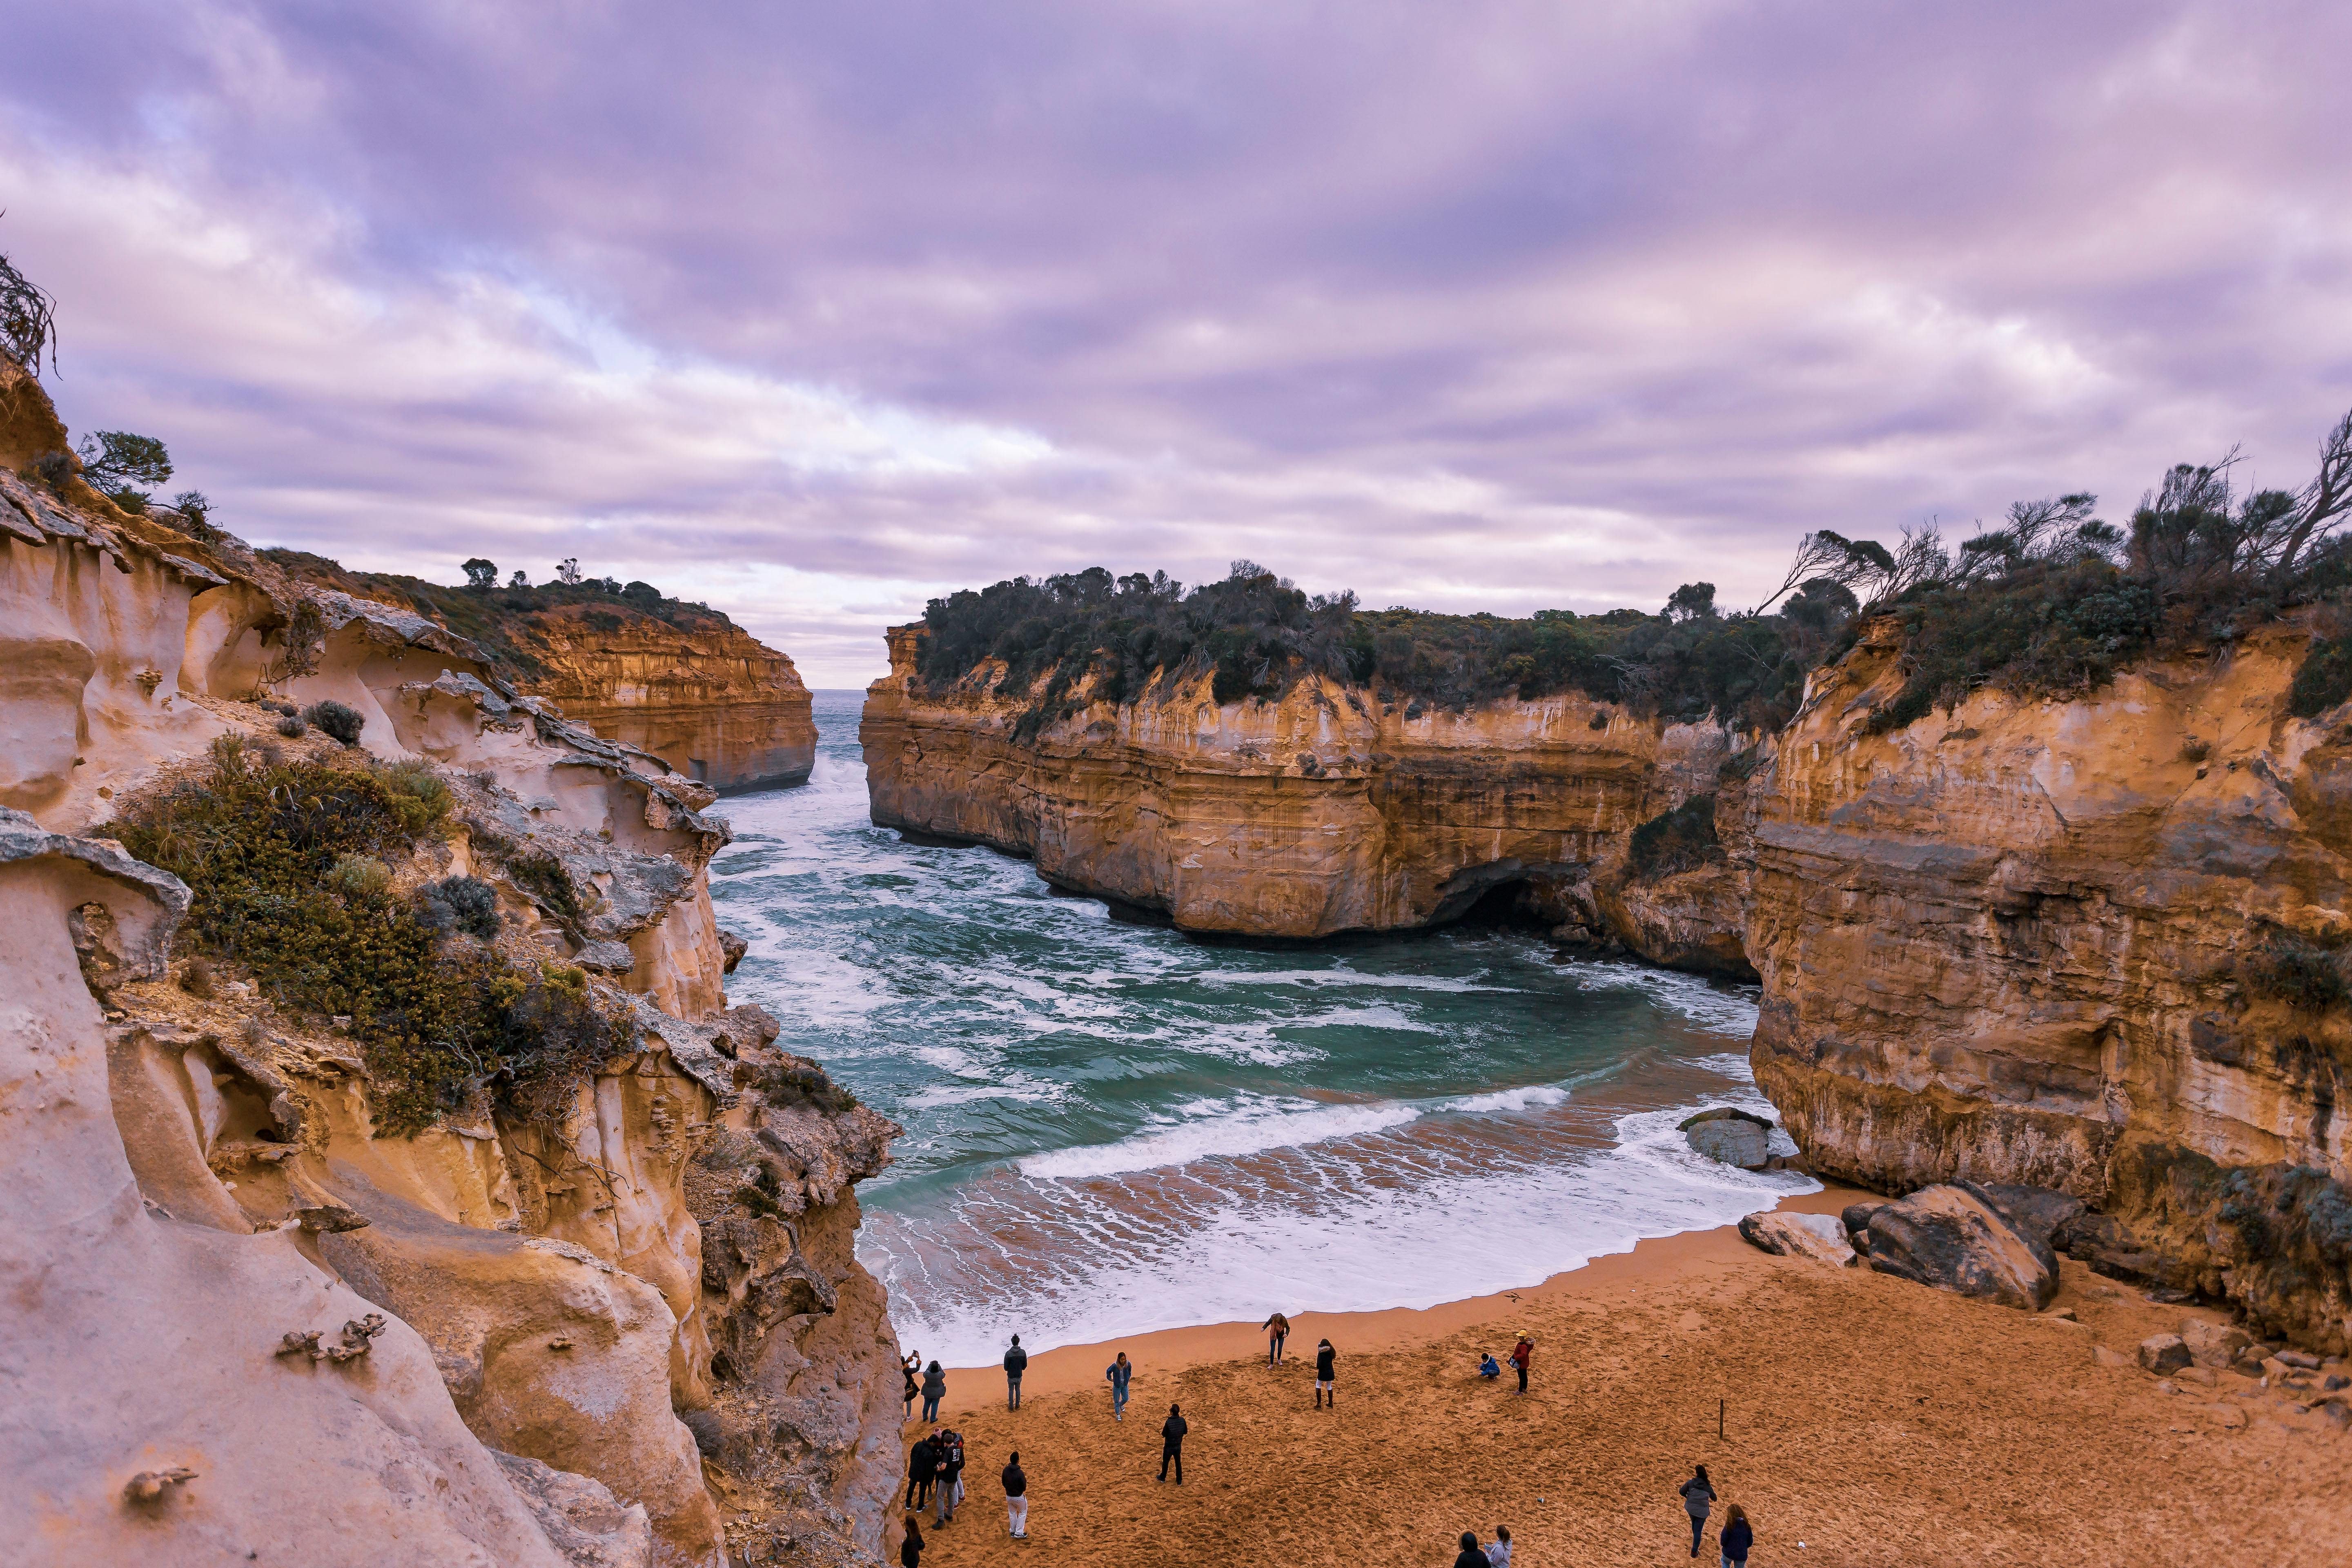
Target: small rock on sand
[[1819, 1236], [2162, 1353], [2213, 1344]]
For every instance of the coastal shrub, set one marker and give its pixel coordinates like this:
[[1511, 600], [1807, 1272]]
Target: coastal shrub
[[1679, 840], [2281, 966], [545, 879], [2325, 679], [293, 726], [336, 719], [419, 795], [788, 1084], [466, 904], [288, 862]]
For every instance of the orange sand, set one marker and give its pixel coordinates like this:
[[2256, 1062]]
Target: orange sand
[[1876, 1421]]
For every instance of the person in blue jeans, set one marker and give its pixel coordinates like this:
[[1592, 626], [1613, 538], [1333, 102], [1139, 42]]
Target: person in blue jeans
[[1118, 1375], [1737, 1537], [935, 1388], [1698, 1496]]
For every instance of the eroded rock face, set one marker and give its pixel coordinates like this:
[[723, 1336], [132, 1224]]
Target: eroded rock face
[[2039, 942], [715, 704], [1327, 811], [534, 1277]]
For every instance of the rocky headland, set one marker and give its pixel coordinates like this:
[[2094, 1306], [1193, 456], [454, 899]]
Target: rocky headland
[[392, 1181]]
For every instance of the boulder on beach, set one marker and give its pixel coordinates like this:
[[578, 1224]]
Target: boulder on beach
[[1956, 1239], [2161, 1353], [2214, 1345], [1819, 1236], [1735, 1137], [1856, 1218], [2039, 1211]]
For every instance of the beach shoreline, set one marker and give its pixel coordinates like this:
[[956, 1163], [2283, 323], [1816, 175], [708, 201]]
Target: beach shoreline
[[1163, 1353]]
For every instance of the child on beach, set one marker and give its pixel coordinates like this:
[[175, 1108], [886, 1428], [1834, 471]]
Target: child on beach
[[1488, 1367], [1118, 1375]]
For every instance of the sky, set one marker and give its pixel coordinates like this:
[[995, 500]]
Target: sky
[[815, 311]]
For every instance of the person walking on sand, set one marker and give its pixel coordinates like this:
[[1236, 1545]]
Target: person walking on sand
[[907, 1369], [1118, 1375], [1016, 1360], [935, 1388], [1324, 1358], [1738, 1536], [922, 1462], [1499, 1554], [1277, 1330], [1171, 1444], [1470, 1556], [1523, 1356], [1016, 1497], [910, 1550], [1698, 1496]]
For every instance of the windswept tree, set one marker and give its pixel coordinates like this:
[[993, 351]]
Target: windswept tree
[[28, 320], [119, 464], [480, 574]]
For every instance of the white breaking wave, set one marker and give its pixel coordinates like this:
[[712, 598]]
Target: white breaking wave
[[1225, 1130]]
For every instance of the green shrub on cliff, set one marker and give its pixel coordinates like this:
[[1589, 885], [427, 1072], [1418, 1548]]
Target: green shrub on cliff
[[1682, 839], [289, 863]]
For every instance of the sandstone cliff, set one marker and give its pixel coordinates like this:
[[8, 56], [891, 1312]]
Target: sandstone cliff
[[2086, 945], [1330, 809], [679, 680], [209, 1179]]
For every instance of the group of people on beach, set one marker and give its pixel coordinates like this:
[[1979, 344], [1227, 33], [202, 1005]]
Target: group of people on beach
[[935, 1465]]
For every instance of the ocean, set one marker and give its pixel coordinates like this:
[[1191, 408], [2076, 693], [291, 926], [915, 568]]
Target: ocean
[[1113, 1128]]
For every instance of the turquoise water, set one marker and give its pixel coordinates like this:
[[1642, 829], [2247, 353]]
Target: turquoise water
[[1112, 1127]]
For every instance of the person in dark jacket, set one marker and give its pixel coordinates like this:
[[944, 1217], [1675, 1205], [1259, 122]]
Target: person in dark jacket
[[945, 1474], [922, 1462], [1738, 1536], [910, 1550], [1470, 1556], [1016, 1497], [1325, 1356], [1698, 1496], [1171, 1444], [907, 1369], [1016, 1362], [935, 1388]]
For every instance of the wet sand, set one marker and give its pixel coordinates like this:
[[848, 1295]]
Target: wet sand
[[1874, 1421]]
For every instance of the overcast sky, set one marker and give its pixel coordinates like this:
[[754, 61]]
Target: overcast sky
[[816, 310]]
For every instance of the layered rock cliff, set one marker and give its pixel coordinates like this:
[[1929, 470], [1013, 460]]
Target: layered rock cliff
[[679, 680], [2089, 946], [1330, 809], [273, 1293]]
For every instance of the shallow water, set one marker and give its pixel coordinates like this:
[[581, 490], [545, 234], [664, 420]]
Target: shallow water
[[1114, 1128]]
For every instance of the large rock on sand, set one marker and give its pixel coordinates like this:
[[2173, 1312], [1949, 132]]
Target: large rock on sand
[[1819, 1236], [1954, 1238], [1735, 1137]]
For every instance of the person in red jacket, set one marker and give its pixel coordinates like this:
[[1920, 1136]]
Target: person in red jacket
[[1523, 1356]]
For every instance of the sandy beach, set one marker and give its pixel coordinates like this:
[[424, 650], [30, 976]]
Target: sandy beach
[[1864, 1421]]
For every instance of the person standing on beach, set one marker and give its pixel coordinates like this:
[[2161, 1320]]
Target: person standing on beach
[[1698, 1496], [1277, 1330], [1016, 1497], [1016, 1360], [942, 1482], [1171, 1444], [910, 1550], [1523, 1356], [1738, 1536], [907, 1369], [1118, 1373], [1499, 1554], [935, 1388], [1324, 1358], [1469, 1556], [922, 1462]]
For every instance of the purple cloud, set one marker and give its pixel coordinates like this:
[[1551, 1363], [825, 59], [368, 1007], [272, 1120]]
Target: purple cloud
[[814, 311]]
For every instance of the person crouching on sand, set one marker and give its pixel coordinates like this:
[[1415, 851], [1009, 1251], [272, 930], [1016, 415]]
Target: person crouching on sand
[[1488, 1367], [1470, 1556], [1016, 1497], [1698, 1496], [1118, 1375], [1324, 1358], [1277, 1330], [1523, 1356]]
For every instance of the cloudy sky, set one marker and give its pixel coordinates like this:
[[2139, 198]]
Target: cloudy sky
[[816, 311]]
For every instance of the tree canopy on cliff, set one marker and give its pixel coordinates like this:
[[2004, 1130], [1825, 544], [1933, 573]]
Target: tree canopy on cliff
[[2053, 600]]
